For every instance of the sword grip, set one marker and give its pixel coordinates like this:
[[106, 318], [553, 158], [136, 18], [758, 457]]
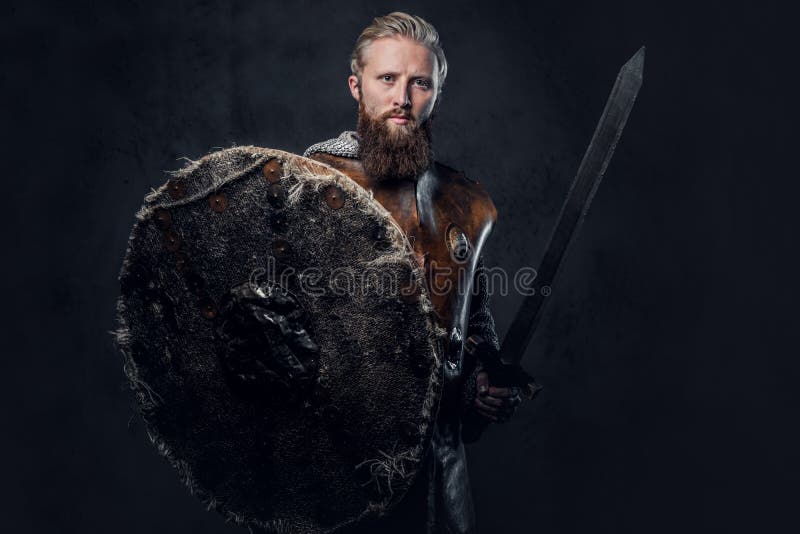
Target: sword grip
[[501, 374]]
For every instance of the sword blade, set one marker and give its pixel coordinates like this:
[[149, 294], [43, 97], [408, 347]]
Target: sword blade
[[581, 192]]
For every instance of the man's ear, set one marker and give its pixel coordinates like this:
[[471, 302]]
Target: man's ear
[[355, 87]]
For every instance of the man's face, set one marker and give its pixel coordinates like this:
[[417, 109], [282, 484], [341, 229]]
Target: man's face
[[396, 98], [399, 76]]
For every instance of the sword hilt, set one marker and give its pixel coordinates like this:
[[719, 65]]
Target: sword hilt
[[501, 374]]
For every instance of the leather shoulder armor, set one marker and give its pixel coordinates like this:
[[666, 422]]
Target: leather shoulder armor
[[447, 218]]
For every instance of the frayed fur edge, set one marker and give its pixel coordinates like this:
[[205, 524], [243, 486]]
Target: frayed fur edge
[[241, 160]]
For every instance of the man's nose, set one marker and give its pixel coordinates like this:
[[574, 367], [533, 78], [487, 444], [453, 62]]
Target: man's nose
[[402, 98]]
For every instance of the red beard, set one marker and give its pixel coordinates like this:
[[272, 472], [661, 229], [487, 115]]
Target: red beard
[[401, 151]]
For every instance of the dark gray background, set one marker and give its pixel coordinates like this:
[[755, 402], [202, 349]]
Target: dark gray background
[[669, 349]]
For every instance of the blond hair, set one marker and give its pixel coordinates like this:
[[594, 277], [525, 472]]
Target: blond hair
[[403, 24]]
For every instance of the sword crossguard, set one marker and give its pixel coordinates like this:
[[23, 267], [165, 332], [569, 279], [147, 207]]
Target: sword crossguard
[[502, 374]]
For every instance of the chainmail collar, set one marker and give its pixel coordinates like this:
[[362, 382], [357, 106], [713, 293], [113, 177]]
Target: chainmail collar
[[346, 145]]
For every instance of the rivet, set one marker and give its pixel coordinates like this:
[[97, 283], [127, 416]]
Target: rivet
[[172, 241], [273, 171], [176, 189], [275, 194], [218, 202], [277, 221], [207, 308], [379, 235], [281, 249], [334, 196]]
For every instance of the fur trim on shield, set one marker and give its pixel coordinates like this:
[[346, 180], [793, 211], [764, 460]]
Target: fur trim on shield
[[391, 471]]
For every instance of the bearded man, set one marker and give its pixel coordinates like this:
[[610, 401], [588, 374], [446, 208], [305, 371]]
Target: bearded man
[[398, 71]]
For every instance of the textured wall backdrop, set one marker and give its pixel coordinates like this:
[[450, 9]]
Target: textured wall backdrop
[[666, 353]]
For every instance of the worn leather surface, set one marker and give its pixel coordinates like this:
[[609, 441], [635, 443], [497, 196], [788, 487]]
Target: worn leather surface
[[424, 210]]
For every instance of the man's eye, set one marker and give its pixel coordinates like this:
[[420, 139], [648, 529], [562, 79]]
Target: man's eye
[[387, 78], [423, 83]]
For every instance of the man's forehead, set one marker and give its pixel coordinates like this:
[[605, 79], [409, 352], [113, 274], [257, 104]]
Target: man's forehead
[[399, 54]]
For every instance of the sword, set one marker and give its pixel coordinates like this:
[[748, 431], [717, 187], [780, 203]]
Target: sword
[[505, 368]]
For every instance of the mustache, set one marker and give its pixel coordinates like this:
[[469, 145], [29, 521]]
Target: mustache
[[397, 113]]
